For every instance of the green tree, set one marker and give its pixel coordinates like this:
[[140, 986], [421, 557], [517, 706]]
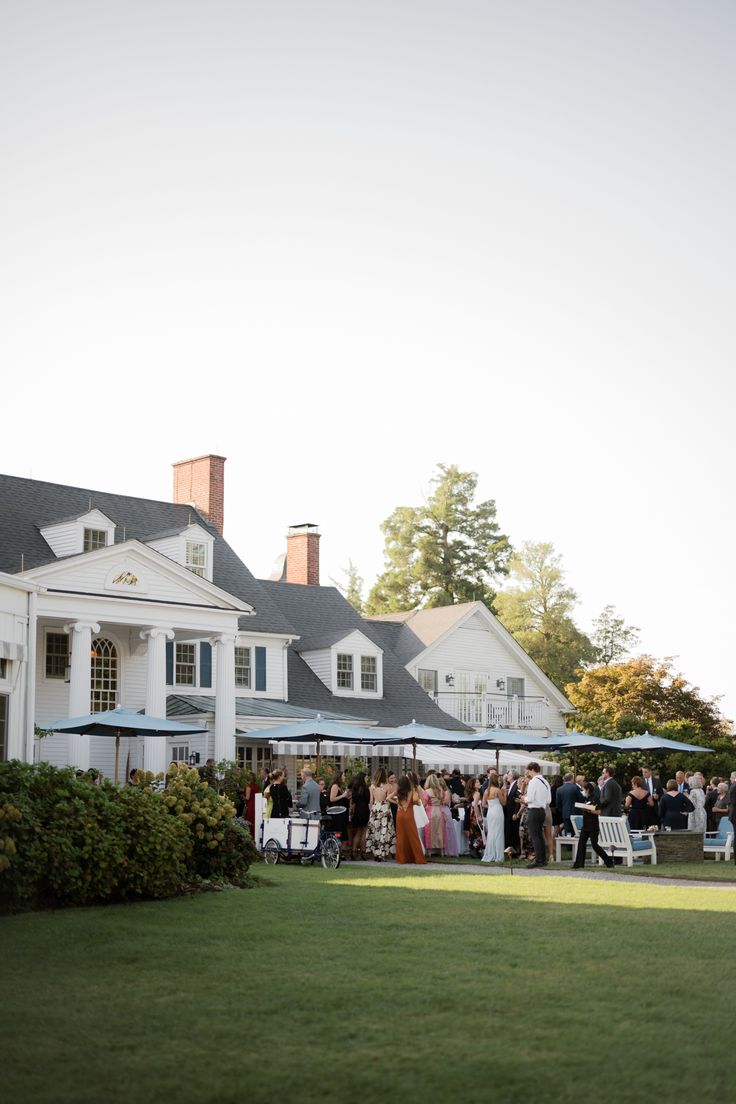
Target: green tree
[[612, 638], [352, 588], [648, 691], [616, 699], [537, 611], [449, 550]]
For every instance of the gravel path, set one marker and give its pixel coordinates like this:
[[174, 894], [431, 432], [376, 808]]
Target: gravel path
[[520, 871]]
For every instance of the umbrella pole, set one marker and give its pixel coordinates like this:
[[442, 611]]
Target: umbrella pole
[[414, 755], [497, 752], [117, 756], [318, 754]]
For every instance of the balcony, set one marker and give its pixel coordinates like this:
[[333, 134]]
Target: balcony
[[491, 710]]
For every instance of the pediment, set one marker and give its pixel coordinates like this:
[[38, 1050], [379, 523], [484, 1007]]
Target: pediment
[[133, 570]]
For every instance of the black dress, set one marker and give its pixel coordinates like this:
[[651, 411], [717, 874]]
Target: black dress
[[361, 807], [640, 815], [590, 832], [673, 809]]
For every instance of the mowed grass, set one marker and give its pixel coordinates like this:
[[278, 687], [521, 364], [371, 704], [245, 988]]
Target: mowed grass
[[375, 985]]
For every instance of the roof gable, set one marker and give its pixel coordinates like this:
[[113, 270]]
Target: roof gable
[[132, 570]]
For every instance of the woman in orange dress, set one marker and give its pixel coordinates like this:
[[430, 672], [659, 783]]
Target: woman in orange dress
[[408, 847]]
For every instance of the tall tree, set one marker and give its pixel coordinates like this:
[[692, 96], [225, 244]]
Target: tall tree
[[613, 639], [537, 610], [448, 550], [352, 588]]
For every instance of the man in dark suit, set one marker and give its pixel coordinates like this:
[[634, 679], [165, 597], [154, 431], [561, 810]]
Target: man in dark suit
[[682, 783], [654, 788], [567, 794], [611, 797], [512, 806]]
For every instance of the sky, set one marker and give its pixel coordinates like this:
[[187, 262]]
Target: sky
[[339, 243]]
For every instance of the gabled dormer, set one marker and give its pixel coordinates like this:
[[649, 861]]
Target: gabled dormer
[[192, 547], [82, 533], [350, 666]]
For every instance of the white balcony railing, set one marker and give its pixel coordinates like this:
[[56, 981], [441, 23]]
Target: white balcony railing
[[490, 710]]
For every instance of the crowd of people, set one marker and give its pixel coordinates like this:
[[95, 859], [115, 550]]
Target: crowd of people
[[404, 818]]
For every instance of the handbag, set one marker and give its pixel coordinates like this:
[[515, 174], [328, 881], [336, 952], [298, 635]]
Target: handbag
[[420, 816]]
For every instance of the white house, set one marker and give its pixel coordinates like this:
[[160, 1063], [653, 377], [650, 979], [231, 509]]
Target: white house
[[474, 669]]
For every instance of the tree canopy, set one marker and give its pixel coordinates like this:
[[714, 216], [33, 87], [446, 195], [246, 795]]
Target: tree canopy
[[352, 588], [448, 550], [537, 611], [613, 639], [645, 693]]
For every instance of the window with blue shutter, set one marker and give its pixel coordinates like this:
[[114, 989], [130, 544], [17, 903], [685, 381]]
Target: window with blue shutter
[[169, 662], [260, 668], [205, 665]]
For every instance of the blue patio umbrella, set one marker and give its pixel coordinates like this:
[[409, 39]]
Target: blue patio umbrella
[[424, 734], [647, 742], [123, 722], [576, 741]]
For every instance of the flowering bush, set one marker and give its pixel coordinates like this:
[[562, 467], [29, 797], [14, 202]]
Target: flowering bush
[[65, 840]]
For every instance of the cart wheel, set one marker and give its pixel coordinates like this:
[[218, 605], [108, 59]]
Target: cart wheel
[[271, 852], [331, 853]]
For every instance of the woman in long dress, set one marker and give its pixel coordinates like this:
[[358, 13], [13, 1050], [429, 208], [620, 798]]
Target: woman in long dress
[[434, 833], [380, 838], [408, 847], [697, 819], [494, 799], [474, 825], [450, 837], [639, 805], [340, 795]]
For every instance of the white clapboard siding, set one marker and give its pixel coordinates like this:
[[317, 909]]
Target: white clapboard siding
[[320, 662]]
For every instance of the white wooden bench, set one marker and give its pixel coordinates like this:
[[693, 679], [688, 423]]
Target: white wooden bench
[[720, 842], [617, 840]]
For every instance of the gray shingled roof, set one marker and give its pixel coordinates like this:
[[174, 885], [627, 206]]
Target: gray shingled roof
[[185, 705], [27, 505], [318, 612]]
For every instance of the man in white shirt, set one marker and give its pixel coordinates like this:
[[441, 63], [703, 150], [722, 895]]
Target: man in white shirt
[[538, 797]]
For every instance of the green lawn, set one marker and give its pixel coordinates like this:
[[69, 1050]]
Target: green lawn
[[706, 871], [375, 984]]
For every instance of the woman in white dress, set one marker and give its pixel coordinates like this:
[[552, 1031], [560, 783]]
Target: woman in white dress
[[494, 800], [696, 820]]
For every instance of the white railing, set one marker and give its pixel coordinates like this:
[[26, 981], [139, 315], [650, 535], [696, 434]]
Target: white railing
[[489, 710]]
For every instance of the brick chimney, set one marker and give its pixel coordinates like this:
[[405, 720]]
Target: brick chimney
[[201, 483], [302, 554]]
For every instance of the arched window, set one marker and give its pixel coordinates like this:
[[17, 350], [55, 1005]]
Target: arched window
[[104, 683]]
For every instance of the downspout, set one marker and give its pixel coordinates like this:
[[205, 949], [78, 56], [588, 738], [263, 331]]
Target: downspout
[[31, 675]]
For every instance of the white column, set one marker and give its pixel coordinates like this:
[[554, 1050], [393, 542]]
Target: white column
[[225, 697], [155, 747], [79, 687]]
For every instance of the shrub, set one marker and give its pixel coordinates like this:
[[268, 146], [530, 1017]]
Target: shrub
[[220, 848], [157, 846]]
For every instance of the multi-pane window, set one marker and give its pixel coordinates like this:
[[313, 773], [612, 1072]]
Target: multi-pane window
[[369, 674], [180, 753], [242, 667], [515, 688], [57, 655], [344, 671], [427, 680], [185, 665], [3, 726], [104, 676], [195, 557], [94, 538]]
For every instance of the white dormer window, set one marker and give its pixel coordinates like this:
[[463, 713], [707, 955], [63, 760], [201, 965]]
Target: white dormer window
[[94, 539], [195, 557], [369, 674], [344, 671], [86, 532]]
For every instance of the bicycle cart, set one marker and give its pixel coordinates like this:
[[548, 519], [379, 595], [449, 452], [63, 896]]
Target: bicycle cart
[[298, 837]]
